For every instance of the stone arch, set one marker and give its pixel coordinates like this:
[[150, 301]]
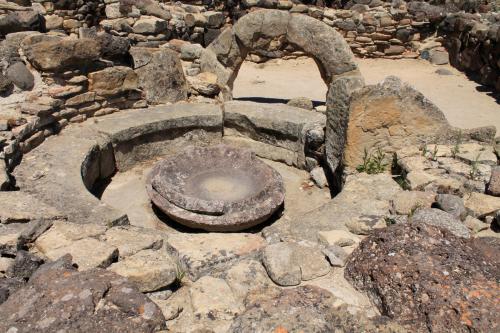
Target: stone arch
[[256, 30], [323, 43]]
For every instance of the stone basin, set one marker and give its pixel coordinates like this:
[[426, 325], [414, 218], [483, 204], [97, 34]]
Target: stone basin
[[218, 188]]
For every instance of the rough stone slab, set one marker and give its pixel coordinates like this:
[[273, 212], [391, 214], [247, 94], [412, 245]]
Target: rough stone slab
[[131, 124], [245, 277], [263, 150], [130, 240], [202, 253], [278, 125], [19, 207], [440, 219], [87, 253], [149, 270], [139, 135], [289, 263], [212, 298], [58, 171], [65, 233], [480, 204], [361, 206]]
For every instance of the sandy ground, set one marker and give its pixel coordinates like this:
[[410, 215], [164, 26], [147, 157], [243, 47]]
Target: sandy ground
[[458, 97]]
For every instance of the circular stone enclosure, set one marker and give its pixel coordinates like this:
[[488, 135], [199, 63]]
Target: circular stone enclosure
[[216, 188]]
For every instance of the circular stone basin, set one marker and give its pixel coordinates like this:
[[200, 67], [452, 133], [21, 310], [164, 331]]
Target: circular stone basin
[[216, 188]]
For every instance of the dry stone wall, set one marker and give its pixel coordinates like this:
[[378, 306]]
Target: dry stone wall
[[66, 61]]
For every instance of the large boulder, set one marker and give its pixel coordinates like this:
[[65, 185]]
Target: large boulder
[[303, 309], [58, 298], [20, 75], [20, 21], [389, 116], [428, 278], [161, 77], [54, 54]]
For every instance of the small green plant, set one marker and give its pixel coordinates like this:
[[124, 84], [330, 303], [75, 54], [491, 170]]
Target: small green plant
[[434, 153], [474, 170], [456, 148], [373, 163], [413, 210], [424, 150], [402, 182], [179, 276], [389, 221]]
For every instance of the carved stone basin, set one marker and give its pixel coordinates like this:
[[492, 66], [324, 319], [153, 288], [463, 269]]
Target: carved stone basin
[[216, 188]]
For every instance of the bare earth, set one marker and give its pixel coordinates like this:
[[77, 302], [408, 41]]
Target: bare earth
[[457, 96]]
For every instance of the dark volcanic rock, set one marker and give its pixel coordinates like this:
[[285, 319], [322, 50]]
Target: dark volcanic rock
[[20, 21], [58, 298], [428, 278], [20, 75], [303, 309], [24, 265]]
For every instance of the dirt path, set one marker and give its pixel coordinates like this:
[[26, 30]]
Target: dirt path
[[455, 94]]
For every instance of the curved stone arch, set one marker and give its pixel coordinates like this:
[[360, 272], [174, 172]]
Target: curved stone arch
[[323, 43], [256, 30]]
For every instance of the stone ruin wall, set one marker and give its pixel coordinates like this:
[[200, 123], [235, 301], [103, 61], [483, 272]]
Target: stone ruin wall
[[132, 59]]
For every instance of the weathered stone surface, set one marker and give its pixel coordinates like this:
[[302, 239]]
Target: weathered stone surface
[[113, 80], [391, 262], [58, 182], [199, 254], [19, 74], [204, 83], [389, 116], [150, 26], [319, 177], [23, 266], [494, 183], [259, 122], [289, 263], [303, 309], [338, 237], [440, 219], [19, 207], [475, 225], [363, 205], [212, 298], [480, 205], [21, 20], [218, 188], [161, 78], [451, 204], [407, 202], [58, 54], [246, 276], [87, 253], [149, 270], [130, 240], [58, 297], [139, 135], [337, 111], [301, 102]]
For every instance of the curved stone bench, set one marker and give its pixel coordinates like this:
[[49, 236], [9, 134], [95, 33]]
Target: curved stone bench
[[274, 131], [62, 171]]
